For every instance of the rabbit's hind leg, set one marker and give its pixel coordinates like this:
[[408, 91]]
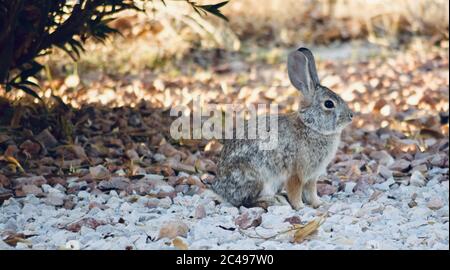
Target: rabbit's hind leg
[[294, 188], [238, 189], [275, 200]]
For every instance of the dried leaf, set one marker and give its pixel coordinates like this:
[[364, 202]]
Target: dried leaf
[[13, 161], [303, 231], [179, 244]]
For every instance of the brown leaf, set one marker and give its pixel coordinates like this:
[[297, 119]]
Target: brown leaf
[[213, 146], [13, 239], [173, 229], [303, 231], [13, 161], [179, 244]]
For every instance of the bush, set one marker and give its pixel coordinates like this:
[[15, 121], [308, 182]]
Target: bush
[[30, 29]]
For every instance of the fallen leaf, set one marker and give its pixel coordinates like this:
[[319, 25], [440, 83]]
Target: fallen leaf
[[303, 231], [13, 161], [13, 239], [173, 229], [179, 244]]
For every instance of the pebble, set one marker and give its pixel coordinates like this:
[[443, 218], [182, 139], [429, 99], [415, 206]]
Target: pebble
[[55, 199], [381, 219], [349, 186], [385, 185], [400, 165], [383, 157], [435, 203], [165, 203], [249, 218], [31, 189], [200, 212], [417, 179]]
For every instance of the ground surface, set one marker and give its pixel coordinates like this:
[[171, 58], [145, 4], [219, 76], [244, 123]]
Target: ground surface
[[99, 177]]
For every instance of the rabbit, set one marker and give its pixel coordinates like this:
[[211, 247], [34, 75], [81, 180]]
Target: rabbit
[[307, 142]]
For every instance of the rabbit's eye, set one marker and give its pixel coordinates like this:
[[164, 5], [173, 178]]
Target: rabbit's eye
[[329, 104]]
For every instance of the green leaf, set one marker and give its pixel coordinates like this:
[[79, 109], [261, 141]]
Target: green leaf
[[30, 83], [215, 9]]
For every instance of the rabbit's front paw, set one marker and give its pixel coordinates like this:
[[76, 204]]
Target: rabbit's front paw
[[312, 199], [297, 205], [316, 202]]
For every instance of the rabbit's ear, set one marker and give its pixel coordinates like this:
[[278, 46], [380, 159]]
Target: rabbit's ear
[[311, 65], [299, 71]]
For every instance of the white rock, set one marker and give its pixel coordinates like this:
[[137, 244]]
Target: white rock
[[165, 203], [154, 177], [385, 186], [417, 179], [73, 245], [281, 210], [233, 211], [83, 195], [55, 198], [435, 203], [383, 157], [349, 187]]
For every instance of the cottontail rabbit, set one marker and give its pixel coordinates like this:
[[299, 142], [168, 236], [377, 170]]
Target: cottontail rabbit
[[307, 141]]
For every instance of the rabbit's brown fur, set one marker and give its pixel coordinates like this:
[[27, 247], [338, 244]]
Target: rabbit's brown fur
[[307, 141]]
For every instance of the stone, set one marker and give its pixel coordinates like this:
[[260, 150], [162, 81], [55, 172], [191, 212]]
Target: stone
[[435, 203], [251, 217], [99, 172], [293, 220], [385, 186], [400, 165], [32, 189], [383, 157], [47, 139], [165, 203], [88, 222], [326, 189], [385, 172], [200, 212], [349, 186], [55, 199], [32, 180], [118, 182], [4, 181], [417, 179]]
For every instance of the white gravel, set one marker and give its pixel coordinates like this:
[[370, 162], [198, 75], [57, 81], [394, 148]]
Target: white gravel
[[384, 220]]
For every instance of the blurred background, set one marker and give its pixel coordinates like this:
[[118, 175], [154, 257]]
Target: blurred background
[[171, 41]]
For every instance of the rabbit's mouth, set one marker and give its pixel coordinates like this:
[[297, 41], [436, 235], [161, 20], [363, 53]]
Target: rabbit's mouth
[[347, 119]]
